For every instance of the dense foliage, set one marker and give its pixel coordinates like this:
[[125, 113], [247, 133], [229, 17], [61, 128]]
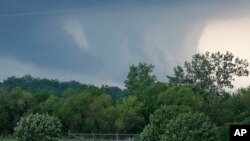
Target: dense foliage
[[159, 120], [179, 123], [190, 127], [140, 77], [37, 127], [142, 106], [212, 72]]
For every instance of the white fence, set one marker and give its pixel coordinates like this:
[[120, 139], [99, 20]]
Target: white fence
[[102, 137]]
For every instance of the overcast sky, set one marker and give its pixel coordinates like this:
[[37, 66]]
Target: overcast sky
[[95, 41]]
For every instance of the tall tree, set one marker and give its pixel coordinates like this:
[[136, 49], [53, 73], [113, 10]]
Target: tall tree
[[126, 115], [210, 71], [140, 77]]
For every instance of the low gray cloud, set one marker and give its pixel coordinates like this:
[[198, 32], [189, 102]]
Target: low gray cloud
[[11, 66]]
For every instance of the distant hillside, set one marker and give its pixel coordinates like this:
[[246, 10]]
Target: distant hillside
[[32, 84]]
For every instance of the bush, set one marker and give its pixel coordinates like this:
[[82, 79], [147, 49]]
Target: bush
[[159, 120], [37, 127], [190, 127], [179, 123]]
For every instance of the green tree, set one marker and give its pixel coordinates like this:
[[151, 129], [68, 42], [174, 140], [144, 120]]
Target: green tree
[[50, 106], [149, 96], [6, 112], [140, 77], [69, 92], [98, 113], [13, 105], [75, 110], [37, 127], [215, 108], [125, 115], [159, 120], [181, 95], [190, 127], [213, 72]]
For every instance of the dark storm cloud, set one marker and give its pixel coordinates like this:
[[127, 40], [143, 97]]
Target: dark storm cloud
[[96, 41]]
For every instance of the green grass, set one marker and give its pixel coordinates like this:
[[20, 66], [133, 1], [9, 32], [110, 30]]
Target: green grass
[[7, 139], [12, 139]]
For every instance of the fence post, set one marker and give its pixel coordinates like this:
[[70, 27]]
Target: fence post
[[116, 136], [93, 136], [69, 134]]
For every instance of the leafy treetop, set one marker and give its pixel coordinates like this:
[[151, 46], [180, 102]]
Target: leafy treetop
[[210, 71], [140, 77]]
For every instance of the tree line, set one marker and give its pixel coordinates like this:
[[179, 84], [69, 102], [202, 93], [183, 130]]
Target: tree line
[[194, 96]]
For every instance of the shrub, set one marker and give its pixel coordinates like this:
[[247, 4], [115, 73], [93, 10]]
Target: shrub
[[179, 123], [37, 127], [190, 127], [159, 120]]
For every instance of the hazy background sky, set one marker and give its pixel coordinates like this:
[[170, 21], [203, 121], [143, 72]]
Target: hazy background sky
[[95, 41]]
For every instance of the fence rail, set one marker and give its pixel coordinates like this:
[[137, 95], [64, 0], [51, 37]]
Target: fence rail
[[102, 137]]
